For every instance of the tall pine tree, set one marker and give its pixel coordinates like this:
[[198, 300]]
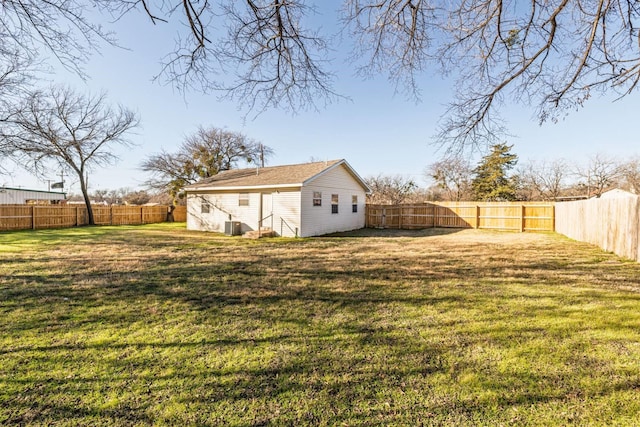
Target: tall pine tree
[[491, 181]]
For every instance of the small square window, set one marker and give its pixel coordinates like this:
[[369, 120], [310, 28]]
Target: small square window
[[243, 199], [205, 207], [317, 198], [334, 203]]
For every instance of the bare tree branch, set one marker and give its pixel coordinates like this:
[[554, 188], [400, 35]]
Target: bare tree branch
[[280, 63], [392, 36], [550, 55], [57, 27]]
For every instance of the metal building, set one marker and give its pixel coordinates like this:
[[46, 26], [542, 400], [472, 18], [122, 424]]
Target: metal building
[[23, 196]]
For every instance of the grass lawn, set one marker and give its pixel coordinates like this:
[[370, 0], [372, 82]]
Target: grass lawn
[[157, 325]]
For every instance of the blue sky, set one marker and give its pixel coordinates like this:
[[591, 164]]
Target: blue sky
[[376, 130]]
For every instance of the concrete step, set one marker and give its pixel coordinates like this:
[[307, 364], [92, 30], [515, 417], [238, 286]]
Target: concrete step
[[255, 234]]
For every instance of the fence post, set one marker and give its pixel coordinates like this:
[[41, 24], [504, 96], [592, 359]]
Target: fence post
[[477, 216], [522, 218], [141, 215], [33, 217], [366, 216], [432, 207]]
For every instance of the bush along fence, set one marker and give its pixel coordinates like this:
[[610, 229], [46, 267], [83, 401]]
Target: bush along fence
[[494, 216], [25, 217], [611, 223]]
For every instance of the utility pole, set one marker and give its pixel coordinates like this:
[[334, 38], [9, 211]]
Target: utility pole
[[261, 155]]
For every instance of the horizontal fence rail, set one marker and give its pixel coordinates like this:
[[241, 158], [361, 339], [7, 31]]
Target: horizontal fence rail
[[492, 216], [34, 217]]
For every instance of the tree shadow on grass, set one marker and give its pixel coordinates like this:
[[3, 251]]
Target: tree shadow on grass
[[304, 334], [392, 232]]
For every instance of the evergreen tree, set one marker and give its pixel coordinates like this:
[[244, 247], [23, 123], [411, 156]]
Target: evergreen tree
[[491, 181]]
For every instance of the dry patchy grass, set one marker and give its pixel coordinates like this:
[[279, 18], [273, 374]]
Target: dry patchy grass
[[158, 325]]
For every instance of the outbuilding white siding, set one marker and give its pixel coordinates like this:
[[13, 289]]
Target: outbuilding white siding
[[283, 217], [223, 207], [318, 220], [286, 213]]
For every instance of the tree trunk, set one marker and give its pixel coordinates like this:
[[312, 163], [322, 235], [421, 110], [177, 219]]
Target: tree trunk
[[87, 201]]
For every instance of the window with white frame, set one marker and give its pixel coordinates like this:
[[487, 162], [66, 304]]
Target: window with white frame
[[317, 198], [354, 204], [243, 199], [334, 203], [205, 207]]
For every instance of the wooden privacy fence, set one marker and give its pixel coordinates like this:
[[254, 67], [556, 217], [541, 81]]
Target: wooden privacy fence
[[24, 217], [611, 223], [493, 216]]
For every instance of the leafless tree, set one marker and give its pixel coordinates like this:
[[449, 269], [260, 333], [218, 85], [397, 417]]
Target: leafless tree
[[453, 175], [163, 198], [204, 153], [422, 195], [137, 197], [390, 189], [101, 196], [599, 174], [630, 174], [544, 180], [552, 55], [78, 132], [110, 197]]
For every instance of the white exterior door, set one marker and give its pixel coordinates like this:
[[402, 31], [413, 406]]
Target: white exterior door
[[266, 209]]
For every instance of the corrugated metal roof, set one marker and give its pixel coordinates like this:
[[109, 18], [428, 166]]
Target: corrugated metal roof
[[271, 176]]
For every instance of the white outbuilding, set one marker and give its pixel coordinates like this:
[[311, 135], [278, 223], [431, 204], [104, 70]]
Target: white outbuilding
[[302, 200]]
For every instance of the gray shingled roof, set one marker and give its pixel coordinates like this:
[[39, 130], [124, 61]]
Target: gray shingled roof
[[268, 176]]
